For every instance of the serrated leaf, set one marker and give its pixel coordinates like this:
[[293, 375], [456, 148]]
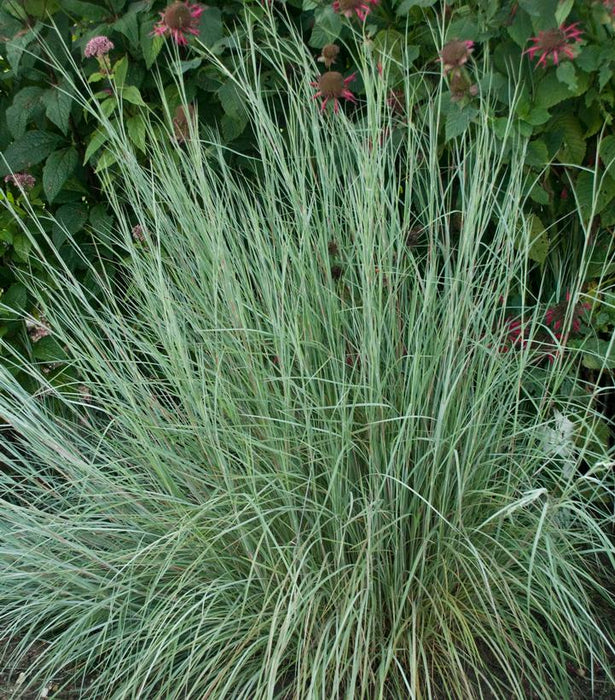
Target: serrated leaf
[[58, 103], [85, 10], [327, 27], [150, 45], [537, 155], [58, 168], [98, 138], [21, 246], [211, 29], [128, 26], [573, 145], [567, 74], [136, 131], [593, 195], [16, 46], [120, 69], [597, 354], [458, 120], [131, 94], [30, 149], [26, 104], [16, 299], [231, 100], [607, 154], [539, 240], [70, 218], [108, 106], [48, 350], [232, 127]]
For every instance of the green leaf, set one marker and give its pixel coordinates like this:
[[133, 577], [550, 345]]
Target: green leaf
[[539, 240], [567, 74], [211, 29], [119, 71], [607, 154], [537, 155], [106, 159], [136, 131], [128, 26], [16, 298], [573, 145], [70, 218], [16, 46], [30, 149], [21, 246], [48, 350], [458, 120], [591, 193], [327, 27], [150, 45], [562, 11], [58, 103], [596, 354], [40, 8], [26, 104], [84, 10], [231, 101], [98, 138], [232, 127], [521, 29], [542, 12], [108, 106], [406, 5], [58, 168], [131, 94]]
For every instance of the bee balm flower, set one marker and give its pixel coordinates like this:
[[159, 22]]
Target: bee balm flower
[[359, 7], [554, 42], [333, 86], [455, 54], [179, 19]]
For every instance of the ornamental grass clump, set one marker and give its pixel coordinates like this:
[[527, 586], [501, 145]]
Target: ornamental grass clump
[[238, 511]]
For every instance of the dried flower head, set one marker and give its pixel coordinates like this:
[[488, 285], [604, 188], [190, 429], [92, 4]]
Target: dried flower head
[[333, 86], [22, 180], [182, 121], [460, 86], [333, 248], [329, 55], [553, 43], [179, 19], [37, 328], [137, 233], [455, 54], [361, 8], [98, 46]]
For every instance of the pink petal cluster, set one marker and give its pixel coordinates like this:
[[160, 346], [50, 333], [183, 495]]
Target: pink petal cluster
[[179, 19], [98, 46], [556, 315], [22, 180], [333, 86], [552, 43], [361, 8]]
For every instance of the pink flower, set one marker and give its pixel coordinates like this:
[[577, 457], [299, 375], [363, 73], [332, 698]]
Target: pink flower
[[179, 19], [609, 6], [554, 42], [333, 86], [22, 180], [98, 46], [455, 54], [359, 7], [556, 315]]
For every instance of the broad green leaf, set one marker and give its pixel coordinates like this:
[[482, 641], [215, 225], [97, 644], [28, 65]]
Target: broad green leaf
[[48, 350], [562, 11], [85, 10], [607, 154], [128, 25], [231, 100], [106, 159], [58, 168], [406, 5], [30, 149], [58, 103], [539, 240], [327, 27], [211, 29], [150, 45], [131, 94], [16, 298], [70, 217], [15, 47], [21, 246], [458, 120], [98, 138], [119, 71], [537, 155], [597, 354], [136, 131], [593, 194], [108, 106], [573, 145], [26, 105]]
